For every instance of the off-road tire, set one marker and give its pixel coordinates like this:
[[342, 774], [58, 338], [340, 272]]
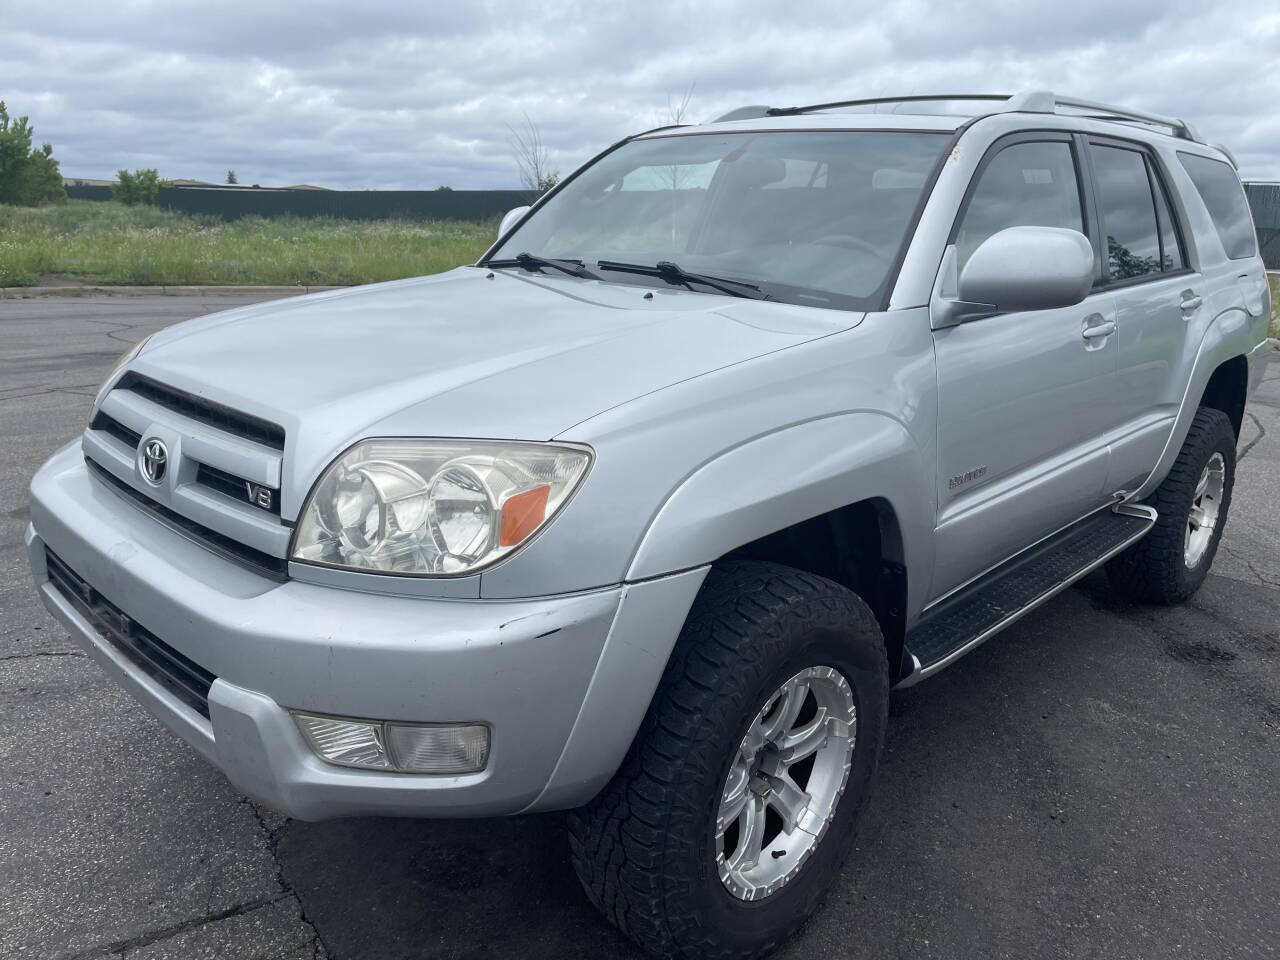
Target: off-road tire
[[1154, 569], [644, 848]]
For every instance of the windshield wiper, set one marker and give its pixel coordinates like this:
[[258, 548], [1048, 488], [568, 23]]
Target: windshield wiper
[[531, 261], [675, 274]]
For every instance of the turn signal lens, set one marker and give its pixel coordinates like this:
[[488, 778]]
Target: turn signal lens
[[523, 514], [439, 749]]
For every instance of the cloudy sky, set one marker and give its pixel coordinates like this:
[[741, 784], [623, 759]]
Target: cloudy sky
[[412, 94]]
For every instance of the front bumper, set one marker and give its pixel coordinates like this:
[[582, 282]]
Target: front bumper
[[562, 682]]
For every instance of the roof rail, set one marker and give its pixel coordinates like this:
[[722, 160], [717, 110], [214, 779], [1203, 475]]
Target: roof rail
[[873, 101], [753, 112], [1103, 111], [1028, 101]]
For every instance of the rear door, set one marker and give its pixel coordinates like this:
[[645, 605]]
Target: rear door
[[1145, 269], [1022, 396]]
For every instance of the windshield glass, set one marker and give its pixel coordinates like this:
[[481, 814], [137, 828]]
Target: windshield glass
[[810, 217]]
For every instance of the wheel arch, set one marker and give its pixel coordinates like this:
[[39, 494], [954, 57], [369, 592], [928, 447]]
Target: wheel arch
[[847, 497], [1219, 378], [859, 546], [1227, 390]]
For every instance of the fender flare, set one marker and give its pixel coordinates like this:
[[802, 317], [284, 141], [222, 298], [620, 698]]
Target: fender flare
[[781, 478], [1221, 342]]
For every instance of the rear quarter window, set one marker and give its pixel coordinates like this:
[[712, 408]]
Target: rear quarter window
[[1220, 189]]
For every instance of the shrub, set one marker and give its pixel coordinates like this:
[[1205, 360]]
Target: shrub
[[139, 187]]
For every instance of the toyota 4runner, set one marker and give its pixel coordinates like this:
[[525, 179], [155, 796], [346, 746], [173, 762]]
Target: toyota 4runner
[[643, 515]]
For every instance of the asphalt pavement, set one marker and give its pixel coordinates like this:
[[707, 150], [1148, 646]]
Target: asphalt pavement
[[1101, 780]]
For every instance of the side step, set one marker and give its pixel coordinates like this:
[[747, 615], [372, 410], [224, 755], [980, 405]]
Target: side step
[[962, 622]]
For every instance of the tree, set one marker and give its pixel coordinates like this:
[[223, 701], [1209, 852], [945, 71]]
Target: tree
[[676, 111], [140, 186], [41, 182], [28, 175], [1126, 263], [231, 177], [532, 158]]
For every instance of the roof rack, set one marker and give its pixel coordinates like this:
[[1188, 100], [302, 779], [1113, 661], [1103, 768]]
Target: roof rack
[[1028, 101]]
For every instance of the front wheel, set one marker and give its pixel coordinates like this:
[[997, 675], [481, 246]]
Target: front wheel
[[739, 799]]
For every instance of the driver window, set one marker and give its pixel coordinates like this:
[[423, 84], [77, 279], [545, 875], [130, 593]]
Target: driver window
[[1029, 184]]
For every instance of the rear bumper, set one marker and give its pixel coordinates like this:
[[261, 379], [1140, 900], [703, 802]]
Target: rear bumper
[[547, 675]]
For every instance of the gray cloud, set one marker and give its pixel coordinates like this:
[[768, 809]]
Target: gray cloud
[[382, 94]]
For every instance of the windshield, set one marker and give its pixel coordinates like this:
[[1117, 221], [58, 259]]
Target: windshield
[[809, 217]]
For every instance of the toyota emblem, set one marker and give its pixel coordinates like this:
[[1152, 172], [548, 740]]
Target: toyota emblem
[[154, 461]]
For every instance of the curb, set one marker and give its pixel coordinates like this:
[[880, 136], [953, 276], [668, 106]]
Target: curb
[[205, 290]]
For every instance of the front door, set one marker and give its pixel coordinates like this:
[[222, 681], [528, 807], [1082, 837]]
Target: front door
[[1022, 397]]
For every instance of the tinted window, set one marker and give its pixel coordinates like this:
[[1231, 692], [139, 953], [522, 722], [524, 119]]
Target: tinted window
[[811, 217], [1171, 256], [1222, 194], [1025, 185], [1128, 212]]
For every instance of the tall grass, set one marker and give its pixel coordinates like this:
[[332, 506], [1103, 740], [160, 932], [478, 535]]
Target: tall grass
[[1275, 304], [113, 243]]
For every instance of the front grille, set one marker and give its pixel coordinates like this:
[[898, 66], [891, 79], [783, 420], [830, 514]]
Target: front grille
[[206, 496], [181, 676], [130, 438], [228, 484], [205, 411], [235, 487], [264, 563]]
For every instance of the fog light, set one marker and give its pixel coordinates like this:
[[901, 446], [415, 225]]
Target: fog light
[[407, 748], [438, 749], [348, 743]]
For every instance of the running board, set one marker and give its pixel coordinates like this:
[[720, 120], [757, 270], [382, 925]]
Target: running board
[[965, 621]]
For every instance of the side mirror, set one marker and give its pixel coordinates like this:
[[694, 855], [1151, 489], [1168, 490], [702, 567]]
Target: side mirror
[[1019, 268], [510, 218]]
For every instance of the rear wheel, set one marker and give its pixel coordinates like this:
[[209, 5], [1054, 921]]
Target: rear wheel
[[739, 799], [1168, 565]]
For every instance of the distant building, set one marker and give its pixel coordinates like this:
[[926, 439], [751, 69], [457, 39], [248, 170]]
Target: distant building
[[1264, 201]]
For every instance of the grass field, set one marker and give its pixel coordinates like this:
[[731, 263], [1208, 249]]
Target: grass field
[[115, 244]]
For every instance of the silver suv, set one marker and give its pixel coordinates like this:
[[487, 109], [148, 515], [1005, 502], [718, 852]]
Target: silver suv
[[644, 514]]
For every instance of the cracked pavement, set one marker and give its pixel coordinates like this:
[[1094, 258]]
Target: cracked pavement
[[1097, 781]]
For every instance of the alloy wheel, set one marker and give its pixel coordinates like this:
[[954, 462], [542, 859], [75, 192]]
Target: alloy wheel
[[1206, 506], [785, 782]]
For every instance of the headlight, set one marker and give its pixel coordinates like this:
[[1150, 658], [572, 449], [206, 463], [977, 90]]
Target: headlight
[[434, 507], [127, 356]]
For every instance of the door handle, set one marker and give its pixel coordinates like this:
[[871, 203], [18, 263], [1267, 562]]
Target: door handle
[[1104, 329], [1190, 302]]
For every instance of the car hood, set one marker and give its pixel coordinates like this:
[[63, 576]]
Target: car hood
[[469, 353]]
